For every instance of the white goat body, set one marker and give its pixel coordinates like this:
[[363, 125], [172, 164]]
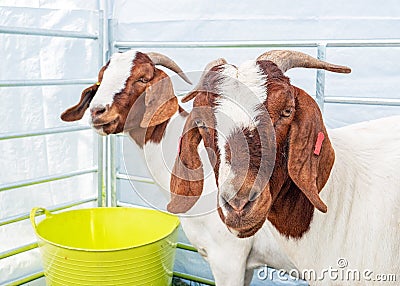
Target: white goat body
[[362, 224]]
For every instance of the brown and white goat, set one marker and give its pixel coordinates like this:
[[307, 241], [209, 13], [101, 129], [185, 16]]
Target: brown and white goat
[[121, 82], [135, 97], [274, 163]]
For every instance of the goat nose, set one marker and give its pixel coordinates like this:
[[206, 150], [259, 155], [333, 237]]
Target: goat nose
[[97, 111], [238, 204]]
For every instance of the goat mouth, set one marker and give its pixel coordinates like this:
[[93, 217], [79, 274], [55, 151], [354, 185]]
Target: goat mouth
[[107, 127], [243, 227], [247, 223], [245, 232]]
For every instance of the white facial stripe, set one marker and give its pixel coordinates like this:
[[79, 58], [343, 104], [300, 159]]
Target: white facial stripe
[[114, 78], [241, 90]]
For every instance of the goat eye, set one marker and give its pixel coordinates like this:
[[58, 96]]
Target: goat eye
[[142, 79], [286, 112]]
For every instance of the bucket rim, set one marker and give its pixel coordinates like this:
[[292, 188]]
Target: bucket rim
[[47, 213]]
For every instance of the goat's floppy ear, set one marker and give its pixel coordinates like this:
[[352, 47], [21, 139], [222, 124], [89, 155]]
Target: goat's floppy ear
[[76, 112], [187, 176], [311, 155], [160, 100]]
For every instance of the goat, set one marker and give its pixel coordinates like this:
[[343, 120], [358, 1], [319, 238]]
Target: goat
[[135, 97], [274, 163]]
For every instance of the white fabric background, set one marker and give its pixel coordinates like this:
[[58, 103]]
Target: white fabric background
[[375, 74], [37, 108]]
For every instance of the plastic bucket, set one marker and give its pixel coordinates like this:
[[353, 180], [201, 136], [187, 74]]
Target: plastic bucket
[[107, 246]]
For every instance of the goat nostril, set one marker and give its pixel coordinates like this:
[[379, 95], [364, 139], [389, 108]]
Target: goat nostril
[[253, 196], [97, 111]]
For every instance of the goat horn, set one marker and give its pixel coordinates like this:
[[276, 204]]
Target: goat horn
[[209, 66], [199, 86], [160, 59], [286, 60]]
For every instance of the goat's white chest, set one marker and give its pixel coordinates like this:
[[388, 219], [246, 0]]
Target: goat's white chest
[[160, 157]]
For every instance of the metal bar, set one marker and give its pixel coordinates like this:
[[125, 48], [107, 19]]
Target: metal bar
[[134, 178], [102, 39], [46, 179], [109, 145], [187, 247], [363, 100], [45, 82], [111, 36], [214, 44], [257, 44], [101, 139], [378, 43], [48, 131], [18, 250], [37, 275], [101, 171], [107, 172], [122, 204], [24, 279], [112, 172], [320, 79], [47, 33], [24, 216], [101, 59], [194, 278]]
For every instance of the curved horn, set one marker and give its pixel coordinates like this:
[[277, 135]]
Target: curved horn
[[209, 66], [199, 86], [160, 59], [286, 60]]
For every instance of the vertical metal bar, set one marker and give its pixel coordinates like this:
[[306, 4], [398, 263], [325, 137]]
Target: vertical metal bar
[[106, 171], [101, 39], [113, 172], [110, 172], [101, 139], [111, 197], [111, 39], [320, 82], [100, 172]]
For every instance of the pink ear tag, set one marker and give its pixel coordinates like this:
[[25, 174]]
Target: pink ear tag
[[318, 144]]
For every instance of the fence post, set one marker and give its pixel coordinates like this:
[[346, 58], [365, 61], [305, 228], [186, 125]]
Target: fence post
[[320, 81], [110, 149]]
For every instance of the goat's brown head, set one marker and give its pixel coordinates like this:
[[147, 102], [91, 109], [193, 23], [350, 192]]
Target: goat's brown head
[[121, 82], [271, 152]]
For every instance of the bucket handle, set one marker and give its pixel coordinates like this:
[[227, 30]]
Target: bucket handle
[[39, 211]]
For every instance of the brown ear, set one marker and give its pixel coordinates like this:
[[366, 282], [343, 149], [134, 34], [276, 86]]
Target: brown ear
[[76, 112], [187, 175], [160, 100], [308, 168]]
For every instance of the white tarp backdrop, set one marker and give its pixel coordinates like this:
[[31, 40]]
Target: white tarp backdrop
[[375, 73], [36, 108]]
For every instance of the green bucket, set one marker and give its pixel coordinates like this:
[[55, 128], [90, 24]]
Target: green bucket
[[107, 246]]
